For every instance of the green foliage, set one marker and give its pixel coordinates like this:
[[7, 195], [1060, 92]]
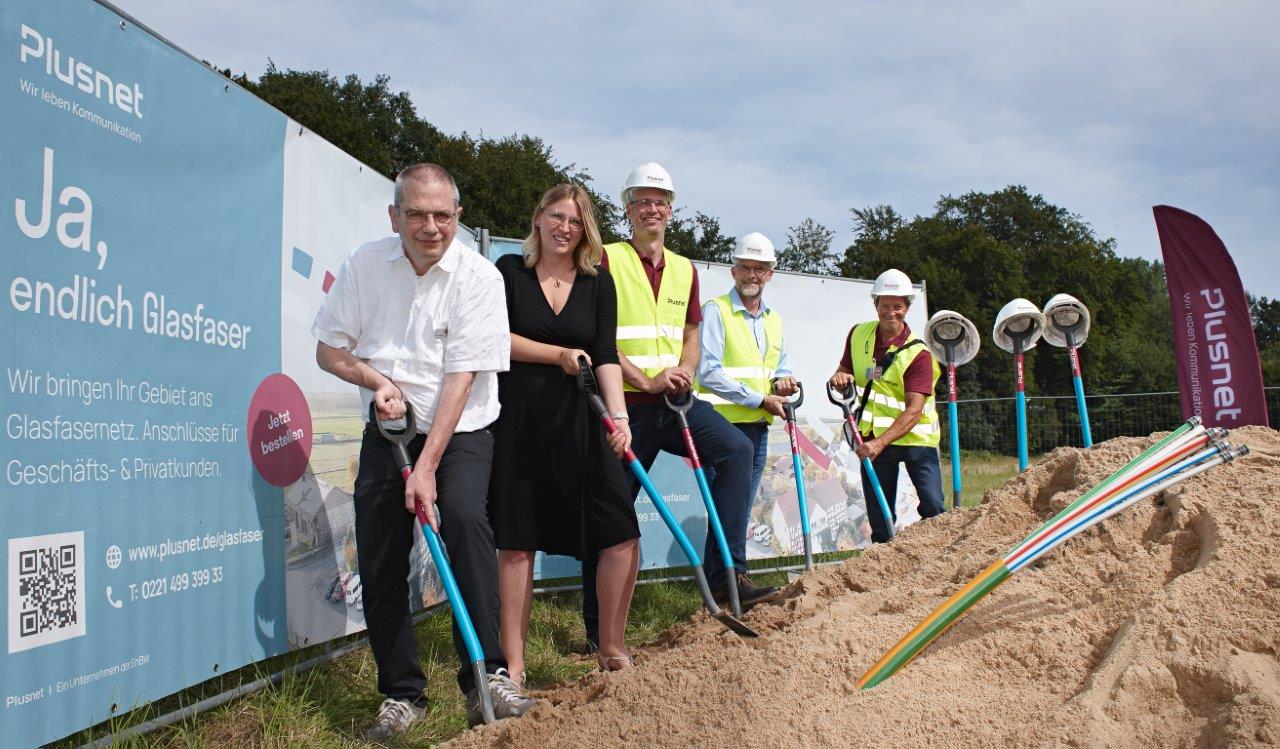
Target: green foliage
[[1266, 329], [699, 238], [980, 250], [808, 249], [500, 179]]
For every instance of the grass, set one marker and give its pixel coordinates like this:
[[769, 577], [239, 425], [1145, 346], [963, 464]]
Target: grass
[[980, 471], [331, 705]]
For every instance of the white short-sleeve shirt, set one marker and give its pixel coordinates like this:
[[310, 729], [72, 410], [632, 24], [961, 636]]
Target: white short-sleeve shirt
[[415, 329]]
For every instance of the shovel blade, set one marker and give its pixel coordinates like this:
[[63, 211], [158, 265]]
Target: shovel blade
[[734, 624]]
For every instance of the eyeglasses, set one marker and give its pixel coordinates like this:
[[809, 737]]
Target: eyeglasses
[[443, 219], [651, 203], [559, 219], [755, 272]]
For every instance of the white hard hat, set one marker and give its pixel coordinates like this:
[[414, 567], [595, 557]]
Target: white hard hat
[[1018, 318], [649, 174], [755, 246], [947, 327], [893, 282], [1065, 314]]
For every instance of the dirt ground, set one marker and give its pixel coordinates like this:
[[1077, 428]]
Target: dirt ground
[[1159, 628]]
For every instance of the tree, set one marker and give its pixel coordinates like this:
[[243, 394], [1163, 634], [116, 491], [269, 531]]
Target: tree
[[500, 179], [699, 238], [1266, 330], [980, 250], [808, 250]]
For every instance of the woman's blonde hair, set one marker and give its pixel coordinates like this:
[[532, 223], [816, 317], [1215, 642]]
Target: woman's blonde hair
[[586, 256]]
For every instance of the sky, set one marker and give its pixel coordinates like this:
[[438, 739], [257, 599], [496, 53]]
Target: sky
[[768, 113]]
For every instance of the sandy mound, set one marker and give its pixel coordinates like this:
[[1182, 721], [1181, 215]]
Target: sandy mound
[[1159, 628]]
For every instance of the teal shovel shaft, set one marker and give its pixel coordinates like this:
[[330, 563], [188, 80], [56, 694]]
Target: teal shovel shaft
[[1078, 380], [953, 421], [798, 469]]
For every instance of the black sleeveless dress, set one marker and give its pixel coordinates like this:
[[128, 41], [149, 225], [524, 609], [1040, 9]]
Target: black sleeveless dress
[[556, 486]]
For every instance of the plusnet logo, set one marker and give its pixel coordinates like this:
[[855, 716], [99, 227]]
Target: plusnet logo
[[34, 46]]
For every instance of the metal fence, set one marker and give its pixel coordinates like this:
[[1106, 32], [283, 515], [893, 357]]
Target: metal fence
[[989, 424]]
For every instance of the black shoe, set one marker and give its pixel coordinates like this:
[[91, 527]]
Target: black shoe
[[749, 594]]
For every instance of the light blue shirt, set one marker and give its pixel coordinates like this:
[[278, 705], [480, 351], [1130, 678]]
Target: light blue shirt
[[711, 367]]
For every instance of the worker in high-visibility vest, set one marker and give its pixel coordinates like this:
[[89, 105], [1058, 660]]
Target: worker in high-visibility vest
[[899, 421], [744, 349], [658, 317]]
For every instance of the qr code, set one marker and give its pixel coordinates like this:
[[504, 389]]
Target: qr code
[[46, 589]]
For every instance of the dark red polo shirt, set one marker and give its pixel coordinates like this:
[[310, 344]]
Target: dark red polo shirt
[[692, 315], [919, 375]]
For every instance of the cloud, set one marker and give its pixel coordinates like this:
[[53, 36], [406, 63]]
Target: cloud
[[768, 113]]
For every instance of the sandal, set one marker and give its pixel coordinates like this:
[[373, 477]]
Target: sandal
[[606, 662]]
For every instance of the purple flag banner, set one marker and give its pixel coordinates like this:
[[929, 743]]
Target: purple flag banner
[[1219, 374]]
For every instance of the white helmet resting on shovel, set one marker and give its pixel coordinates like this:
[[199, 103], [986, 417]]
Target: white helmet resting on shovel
[[1062, 314], [951, 330], [1015, 319], [893, 282]]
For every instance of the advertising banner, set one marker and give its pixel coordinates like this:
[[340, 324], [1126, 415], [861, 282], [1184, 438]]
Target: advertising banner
[[1219, 373], [141, 217]]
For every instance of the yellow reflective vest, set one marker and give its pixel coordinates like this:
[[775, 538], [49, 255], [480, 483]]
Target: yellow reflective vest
[[888, 398], [650, 331], [742, 361]]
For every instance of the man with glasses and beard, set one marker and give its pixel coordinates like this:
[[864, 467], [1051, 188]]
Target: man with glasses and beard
[[744, 349]]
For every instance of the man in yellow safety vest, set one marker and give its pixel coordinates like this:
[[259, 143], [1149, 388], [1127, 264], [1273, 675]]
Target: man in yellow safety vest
[[744, 349], [658, 317], [899, 420]]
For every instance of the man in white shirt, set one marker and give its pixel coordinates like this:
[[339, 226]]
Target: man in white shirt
[[419, 317]]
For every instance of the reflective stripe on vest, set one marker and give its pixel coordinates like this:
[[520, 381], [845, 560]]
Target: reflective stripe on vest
[[650, 332], [888, 397], [742, 362]]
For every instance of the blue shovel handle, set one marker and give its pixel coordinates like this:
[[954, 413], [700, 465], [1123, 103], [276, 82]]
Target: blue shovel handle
[[854, 438], [1020, 401], [400, 437], [460, 613], [587, 385], [681, 409], [1078, 380], [797, 470]]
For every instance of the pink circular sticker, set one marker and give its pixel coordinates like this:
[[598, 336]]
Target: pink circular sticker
[[279, 429]]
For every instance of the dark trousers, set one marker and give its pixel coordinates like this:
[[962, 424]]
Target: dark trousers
[[722, 447], [384, 540], [758, 433], [926, 476]]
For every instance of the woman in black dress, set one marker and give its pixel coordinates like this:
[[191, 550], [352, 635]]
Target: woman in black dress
[[555, 487]]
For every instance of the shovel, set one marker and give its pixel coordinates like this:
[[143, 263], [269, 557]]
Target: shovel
[[1019, 326], [1067, 324], [844, 399], [956, 339], [400, 436], [681, 409], [789, 408], [589, 389]]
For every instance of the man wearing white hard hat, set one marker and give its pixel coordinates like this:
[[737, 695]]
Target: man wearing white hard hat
[[899, 420], [658, 317], [743, 350]]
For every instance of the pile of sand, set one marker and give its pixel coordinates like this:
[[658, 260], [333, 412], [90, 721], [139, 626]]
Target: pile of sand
[[1159, 628]]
